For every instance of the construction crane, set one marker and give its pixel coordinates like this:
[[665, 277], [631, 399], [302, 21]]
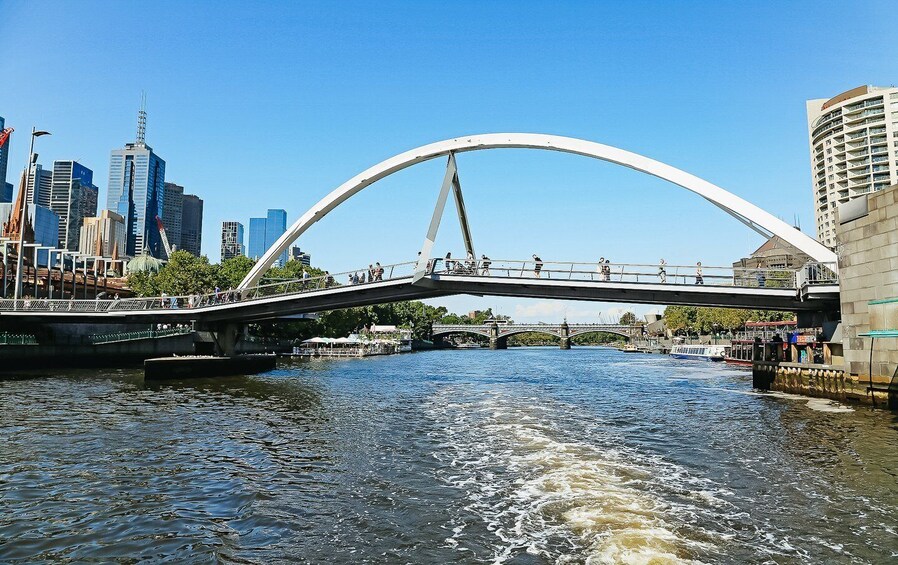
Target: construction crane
[[165, 244], [4, 136]]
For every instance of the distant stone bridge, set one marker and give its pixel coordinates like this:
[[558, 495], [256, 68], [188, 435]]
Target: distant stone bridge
[[499, 333]]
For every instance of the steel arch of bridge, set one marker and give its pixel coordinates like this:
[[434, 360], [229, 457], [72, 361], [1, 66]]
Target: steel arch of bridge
[[746, 212]]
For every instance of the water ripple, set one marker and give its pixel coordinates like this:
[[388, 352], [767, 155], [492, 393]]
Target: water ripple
[[527, 456]]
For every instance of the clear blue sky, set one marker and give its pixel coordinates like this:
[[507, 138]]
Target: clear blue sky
[[272, 105]]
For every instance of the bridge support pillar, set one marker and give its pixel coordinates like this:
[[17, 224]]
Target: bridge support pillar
[[497, 342], [565, 336], [225, 337]]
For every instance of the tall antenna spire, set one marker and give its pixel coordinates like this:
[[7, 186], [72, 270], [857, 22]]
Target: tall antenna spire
[[142, 119]]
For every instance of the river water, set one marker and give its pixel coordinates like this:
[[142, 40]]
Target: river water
[[523, 456]]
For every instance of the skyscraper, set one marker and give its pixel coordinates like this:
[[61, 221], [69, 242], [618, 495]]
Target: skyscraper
[[43, 226], [171, 213], [192, 224], [851, 154], [73, 197], [41, 196], [103, 235], [231, 240], [137, 192], [5, 187], [297, 254], [263, 232], [256, 247], [275, 226]]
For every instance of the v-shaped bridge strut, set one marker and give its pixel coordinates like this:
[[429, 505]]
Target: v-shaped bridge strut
[[450, 182]]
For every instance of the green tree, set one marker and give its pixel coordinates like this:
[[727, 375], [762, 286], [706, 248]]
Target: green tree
[[628, 319], [234, 270], [183, 274], [678, 319], [143, 284]]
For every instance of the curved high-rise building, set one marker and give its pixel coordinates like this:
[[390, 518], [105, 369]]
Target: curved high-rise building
[[854, 149]]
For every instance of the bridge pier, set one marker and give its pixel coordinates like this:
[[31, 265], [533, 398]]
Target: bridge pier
[[497, 342], [225, 337], [565, 336]]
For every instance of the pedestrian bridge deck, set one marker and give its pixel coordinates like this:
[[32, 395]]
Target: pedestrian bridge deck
[[812, 288]]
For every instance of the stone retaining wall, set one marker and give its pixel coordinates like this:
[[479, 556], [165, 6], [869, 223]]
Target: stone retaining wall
[[822, 381]]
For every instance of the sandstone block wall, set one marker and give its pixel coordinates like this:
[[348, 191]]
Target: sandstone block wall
[[868, 270]]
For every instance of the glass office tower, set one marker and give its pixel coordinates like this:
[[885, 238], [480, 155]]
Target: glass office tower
[[73, 197], [137, 193], [264, 232]]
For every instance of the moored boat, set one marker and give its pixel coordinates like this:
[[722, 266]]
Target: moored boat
[[771, 334], [699, 352]]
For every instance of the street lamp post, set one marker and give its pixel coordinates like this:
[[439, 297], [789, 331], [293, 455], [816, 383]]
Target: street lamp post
[[19, 259]]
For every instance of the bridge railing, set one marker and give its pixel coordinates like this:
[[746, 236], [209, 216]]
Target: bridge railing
[[97, 339], [17, 339], [690, 275], [212, 299], [817, 274], [810, 274]]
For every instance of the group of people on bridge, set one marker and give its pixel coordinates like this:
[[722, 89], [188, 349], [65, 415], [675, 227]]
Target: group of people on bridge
[[375, 273]]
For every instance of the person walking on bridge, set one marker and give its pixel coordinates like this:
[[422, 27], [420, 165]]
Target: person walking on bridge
[[485, 265], [601, 268], [699, 279], [662, 270], [537, 265]]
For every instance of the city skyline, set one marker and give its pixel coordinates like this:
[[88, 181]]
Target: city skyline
[[739, 121]]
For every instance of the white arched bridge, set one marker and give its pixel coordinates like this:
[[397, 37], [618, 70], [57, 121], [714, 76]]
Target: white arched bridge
[[811, 288]]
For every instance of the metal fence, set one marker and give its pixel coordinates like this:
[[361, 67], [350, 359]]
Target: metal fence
[[17, 339], [214, 299], [97, 339], [690, 275]]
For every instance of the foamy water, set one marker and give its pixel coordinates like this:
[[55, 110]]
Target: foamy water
[[592, 497]]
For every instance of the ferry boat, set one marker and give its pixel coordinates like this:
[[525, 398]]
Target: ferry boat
[[742, 346], [700, 352]]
